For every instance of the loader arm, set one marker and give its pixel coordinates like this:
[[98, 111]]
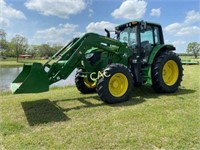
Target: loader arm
[[37, 77], [71, 58]]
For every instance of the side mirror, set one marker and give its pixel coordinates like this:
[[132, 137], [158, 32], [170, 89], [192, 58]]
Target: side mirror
[[117, 32], [143, 25]]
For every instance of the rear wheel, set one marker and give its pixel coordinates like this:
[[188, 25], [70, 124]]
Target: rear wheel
[[117, 85], [83, 84], [167, 72]]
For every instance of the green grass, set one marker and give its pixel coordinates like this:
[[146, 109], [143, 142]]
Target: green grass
[[190, 58], [65, 119], [13, 63]]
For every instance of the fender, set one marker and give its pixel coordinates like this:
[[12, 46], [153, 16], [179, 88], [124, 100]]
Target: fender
[[157, 49]]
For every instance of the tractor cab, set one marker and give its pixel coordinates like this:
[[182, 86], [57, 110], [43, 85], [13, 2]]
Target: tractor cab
[[141, 37]]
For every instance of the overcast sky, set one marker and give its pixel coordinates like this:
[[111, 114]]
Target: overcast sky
[[58, 21]]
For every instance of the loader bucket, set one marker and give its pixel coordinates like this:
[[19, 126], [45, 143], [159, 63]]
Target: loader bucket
[[32, 79]]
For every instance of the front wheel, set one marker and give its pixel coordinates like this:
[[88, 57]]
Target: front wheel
[[117, 85], [167, 72], [83, 84]]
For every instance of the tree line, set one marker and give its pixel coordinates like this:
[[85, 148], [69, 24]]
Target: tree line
[[19, 45]]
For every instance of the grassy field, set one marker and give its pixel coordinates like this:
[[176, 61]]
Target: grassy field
[[12, 62], [190, 58], [64, 119]]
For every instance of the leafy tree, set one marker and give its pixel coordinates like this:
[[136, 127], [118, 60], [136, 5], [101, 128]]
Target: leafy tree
[[44, 50], [55, 48], [3, 42], [194, 48], [20, 45], [10, 51], [33, 50]]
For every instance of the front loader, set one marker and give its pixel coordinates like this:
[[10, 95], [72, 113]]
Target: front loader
[[110, 67]]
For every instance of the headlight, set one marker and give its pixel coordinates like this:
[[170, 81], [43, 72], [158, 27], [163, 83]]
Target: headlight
[[88, 56]]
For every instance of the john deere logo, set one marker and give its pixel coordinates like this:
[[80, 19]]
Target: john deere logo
[[95, 76]]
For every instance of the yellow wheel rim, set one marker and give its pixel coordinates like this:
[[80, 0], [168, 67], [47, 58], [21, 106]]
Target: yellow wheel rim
[[118, 84], [170, 72], [89, 84]]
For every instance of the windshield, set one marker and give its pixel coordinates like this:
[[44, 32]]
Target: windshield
[[128, 35]]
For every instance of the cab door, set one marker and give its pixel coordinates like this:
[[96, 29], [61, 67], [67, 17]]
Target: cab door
[[149, 38]]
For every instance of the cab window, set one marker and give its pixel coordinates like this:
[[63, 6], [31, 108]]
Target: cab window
[[150, 35], [147, 35], [128, 35]]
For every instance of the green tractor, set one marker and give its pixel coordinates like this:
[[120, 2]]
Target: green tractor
[[110, 67]]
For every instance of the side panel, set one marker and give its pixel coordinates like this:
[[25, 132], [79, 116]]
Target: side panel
[[157, 49], [146, 71]]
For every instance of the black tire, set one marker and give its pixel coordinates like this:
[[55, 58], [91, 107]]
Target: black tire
[[167, 72], [83, 84], [117, 85]]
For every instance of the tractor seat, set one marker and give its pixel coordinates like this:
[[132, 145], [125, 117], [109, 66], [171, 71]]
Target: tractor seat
[[146, 49]]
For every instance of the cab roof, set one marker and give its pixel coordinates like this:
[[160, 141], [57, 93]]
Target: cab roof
[[134, 22]]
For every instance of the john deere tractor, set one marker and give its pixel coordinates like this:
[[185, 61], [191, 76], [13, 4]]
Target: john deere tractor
[[110, 67]]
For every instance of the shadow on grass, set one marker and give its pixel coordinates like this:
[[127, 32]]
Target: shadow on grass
[[45, 111], [42, 111], [84, 100], [184, 91], [148, 92], [143, 93], [88, 104]]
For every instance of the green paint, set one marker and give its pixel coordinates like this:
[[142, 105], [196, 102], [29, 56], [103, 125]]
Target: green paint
[[32, 79], [157, 49]]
